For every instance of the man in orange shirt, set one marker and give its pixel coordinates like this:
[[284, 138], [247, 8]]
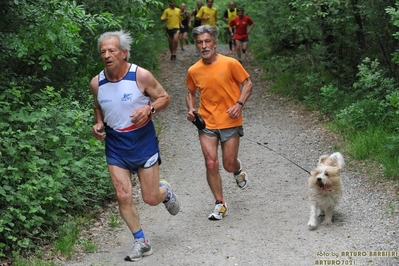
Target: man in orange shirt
[[218, 79]]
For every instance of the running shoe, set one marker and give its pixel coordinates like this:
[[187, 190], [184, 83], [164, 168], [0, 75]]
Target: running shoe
[[230, 52], [173, 205], [141, 247], [241, 177], [219, 212]]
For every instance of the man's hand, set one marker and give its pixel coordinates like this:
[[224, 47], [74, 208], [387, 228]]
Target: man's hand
[[98, 131], [190, 115], [234, 111], [140, 115]]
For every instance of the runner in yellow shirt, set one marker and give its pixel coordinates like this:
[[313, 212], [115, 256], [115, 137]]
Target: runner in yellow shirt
[[208, 14], [172, 17], [228, 16]]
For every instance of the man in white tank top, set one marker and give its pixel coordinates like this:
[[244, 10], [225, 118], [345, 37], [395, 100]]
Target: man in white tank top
[[126, 97]]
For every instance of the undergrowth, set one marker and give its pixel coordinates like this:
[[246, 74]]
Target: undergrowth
[[366, 112]]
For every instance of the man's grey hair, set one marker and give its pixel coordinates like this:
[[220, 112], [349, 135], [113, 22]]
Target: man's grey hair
[[125, 40], [206, 29]]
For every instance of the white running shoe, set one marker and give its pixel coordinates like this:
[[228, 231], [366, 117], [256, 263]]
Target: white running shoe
[[241, 177], [141, 247], [173, 205], [219, 212]]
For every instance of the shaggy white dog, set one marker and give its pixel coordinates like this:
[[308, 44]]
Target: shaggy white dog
[[325, 188]]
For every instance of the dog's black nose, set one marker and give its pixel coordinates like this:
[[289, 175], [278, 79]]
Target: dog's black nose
[[319, 179]]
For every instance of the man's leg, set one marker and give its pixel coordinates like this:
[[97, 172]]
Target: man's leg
[[154, 192], [238, 49], [175, 43], [230, 40], [230, 45], [171, 44], [185, 37], [230, 153], [244, 47], [231, 163], [209, 147], [181, 41], [121, 180], [233, 38], [149, 180]]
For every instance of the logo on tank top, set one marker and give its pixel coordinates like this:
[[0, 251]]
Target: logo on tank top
[[105, 101], [127, 97]]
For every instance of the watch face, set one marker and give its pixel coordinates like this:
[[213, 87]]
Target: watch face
[[153, 110]]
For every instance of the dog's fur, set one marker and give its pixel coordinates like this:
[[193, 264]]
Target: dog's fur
[[325, 188]]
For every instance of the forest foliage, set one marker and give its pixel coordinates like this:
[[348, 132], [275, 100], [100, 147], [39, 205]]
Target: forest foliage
[[339, 57]]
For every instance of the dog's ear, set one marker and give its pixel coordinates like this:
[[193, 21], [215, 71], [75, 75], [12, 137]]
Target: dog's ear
[[338, 160], [323, 158], [333, 172], [336, 163]]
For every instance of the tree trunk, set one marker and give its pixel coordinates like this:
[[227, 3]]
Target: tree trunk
[[361, 39]]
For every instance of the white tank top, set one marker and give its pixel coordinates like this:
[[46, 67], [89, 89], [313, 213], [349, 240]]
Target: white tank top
[[119, 99]]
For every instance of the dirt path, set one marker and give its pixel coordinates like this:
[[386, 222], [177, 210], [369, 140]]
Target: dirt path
[[267, 223]]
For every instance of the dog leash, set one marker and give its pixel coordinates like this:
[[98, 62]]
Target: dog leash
[[270, 149]]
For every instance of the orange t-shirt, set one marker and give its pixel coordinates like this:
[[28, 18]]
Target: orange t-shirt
[[219, 88]]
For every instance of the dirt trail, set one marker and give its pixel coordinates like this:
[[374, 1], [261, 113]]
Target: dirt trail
[[267, 223]]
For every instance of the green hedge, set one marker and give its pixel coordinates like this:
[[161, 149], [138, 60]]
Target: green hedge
[[50, 165]]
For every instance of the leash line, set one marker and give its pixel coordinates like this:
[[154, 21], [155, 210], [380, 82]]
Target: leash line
[[270, 149]]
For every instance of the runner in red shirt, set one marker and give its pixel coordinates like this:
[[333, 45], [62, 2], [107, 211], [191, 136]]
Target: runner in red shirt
[[243, 26]]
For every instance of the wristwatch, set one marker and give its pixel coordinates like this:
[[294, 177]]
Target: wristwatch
[[153, 110]]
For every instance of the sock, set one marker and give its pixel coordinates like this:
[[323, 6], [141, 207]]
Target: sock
[[238, 171], [218, 201], [231, 45], [139, 234], [168, 195]]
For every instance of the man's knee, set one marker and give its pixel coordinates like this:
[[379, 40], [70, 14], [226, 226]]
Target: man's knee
[[151, 199], [124, 197], [230, 166], [212, 165]]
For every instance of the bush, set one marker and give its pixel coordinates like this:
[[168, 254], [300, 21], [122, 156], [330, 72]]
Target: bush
[[363, 114], [371, 100], [332, 99], [50, 165]]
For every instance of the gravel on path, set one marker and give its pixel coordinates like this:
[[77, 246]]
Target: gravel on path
[[267, 223]]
